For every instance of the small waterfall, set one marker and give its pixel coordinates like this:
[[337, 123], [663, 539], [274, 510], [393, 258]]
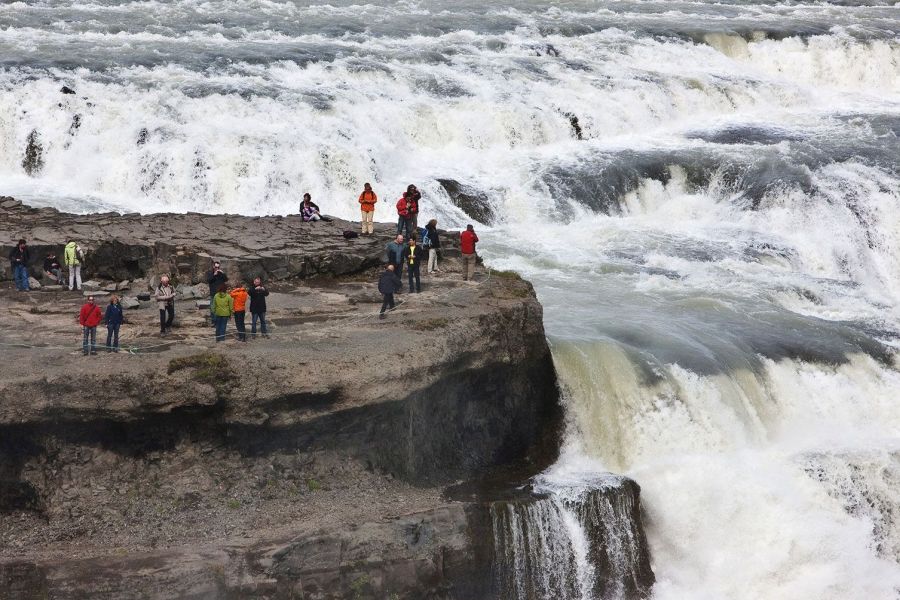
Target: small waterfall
[[572, 544]]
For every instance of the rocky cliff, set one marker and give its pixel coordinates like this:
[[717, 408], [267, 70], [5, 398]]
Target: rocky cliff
[[309, 464]]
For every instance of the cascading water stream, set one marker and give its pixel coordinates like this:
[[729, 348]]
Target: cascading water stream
[[705, 195]]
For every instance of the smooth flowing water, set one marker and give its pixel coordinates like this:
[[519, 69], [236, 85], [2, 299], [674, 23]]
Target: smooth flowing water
[[716, 243]]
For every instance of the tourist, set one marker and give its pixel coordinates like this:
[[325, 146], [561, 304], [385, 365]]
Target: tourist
[[215, 278], [309, 211], [432, 242], [412, 198], [388, 284], [18, 259], [114, 318], [223, 308], [413, 256], [402, 213], [367, 200], [467, 241], [395, 254], [89, 317], [258, 293], [239, 305], [52, 268], [165, 301], [72, 256]]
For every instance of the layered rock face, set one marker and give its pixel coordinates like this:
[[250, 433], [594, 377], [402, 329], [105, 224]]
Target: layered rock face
[[309, 464]]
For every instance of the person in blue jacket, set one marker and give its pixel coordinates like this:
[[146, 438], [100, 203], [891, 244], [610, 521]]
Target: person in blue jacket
[[114, 318]]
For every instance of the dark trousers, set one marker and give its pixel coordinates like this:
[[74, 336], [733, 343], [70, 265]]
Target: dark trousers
[[261, 317], [388, 302], [239, 325], [221, 328], [112, 337], [413, 271], [398, 271], [164, 322], [20, 275], [408, 224], [89, 343]]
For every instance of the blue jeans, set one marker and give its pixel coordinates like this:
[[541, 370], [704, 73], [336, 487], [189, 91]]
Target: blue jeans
[[221, 326], [90, 335], [112, 337], [261, 317], [20, 274]]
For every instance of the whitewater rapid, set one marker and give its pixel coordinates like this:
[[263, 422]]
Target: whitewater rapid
[[716, 244]]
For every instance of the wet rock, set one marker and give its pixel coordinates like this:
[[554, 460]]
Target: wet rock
[[67, 90], [472, 201], [33, 161]]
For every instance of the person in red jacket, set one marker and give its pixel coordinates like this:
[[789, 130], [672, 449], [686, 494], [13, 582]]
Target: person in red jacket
[[89, 317], [467, 241]]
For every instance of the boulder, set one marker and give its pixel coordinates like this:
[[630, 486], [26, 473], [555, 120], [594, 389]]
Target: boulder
[[130, 302], [474, 202], [187, 292], [91, 285], [94, 293], [34, 283]]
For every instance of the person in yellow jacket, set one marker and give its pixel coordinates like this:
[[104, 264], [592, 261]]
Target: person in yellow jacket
[[367, 201], [223, 308], [73, 256], [239, 296]]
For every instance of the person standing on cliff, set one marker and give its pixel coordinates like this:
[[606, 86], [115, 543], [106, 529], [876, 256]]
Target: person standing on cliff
[[114, 317], [412, 198], [214, 277], [433, 244], [258, 293], [388, 284], [467, 241], [89, 317], [223, 308], [367, 200], [402, 214], [413, 255], [18, 260], [239, 303], [395, 254], [72, 256], [165, 301]]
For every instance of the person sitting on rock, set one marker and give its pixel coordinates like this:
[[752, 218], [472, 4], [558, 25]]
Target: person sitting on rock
[[310, 211], [395, 254], [165, 301], [114, 317], [367, 200], [89, 317], [52, 268], [388, 284], [73, 256], [214, 277], [413, 255], [18, 260], [223, 308], [239, 303], [433, 244], [258, 293]]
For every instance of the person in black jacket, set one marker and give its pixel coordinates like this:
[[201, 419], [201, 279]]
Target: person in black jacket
[[52, 268], [388, 284], [258, 293], [18, 260], [214, 277], [114, 318], [433, 245], [413, 256]]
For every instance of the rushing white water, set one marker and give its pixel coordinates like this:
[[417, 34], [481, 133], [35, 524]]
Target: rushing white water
[[718, 256]]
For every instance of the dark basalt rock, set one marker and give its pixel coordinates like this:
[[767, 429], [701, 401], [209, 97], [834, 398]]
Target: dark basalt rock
[[472, 201], [33, 161], [66, 90]]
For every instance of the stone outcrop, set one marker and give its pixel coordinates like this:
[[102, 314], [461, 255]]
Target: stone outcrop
[[310, 464]]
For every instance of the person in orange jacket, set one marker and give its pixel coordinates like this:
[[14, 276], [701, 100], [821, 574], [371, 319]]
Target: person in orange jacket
[[240, 295], [367, 201], [89, 317]]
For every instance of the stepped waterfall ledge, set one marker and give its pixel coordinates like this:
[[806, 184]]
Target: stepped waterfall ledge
[[673, 375]]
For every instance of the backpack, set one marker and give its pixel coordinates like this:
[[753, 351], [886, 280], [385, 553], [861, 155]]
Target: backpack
[[423, 237], [349, 235], [79, 253]]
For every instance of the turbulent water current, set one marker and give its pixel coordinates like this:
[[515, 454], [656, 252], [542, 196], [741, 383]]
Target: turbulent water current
[[705, 195]]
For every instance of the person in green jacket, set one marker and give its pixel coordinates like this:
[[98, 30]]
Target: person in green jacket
[[73, 256], [223, 308]]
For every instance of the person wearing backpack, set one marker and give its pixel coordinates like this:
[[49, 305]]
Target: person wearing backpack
[[367, 200], [432, 242], [73, 255]]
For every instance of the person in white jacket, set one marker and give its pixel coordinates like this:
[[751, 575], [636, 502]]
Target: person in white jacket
[[165, 300]]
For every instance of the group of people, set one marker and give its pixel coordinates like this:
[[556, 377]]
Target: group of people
[[73, 256], [407, 210]]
